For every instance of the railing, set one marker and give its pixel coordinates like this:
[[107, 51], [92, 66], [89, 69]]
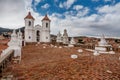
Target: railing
[[5, 60]]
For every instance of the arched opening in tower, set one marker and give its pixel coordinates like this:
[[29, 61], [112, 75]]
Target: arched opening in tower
[[38, 35], [29, 23]]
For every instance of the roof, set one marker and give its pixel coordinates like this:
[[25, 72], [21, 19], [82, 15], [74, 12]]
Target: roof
[[46, 18], [29, 16]]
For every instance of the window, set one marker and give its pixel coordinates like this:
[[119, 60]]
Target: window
[[46, 25], [29, 23], [29, 37]]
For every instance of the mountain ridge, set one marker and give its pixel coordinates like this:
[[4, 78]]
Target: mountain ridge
[[2, 30]]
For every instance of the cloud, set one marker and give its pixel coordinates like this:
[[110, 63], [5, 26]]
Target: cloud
[[61, 5], [112, 1], [37, 1], [78, 13], [45, 6], [11, 15], [27, 4], [67, 4], [115, 9], [83, 12], [106, 21], [78, 7]]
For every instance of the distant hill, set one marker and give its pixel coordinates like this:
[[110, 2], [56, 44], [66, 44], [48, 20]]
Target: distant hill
[[22, 29], [2, 30]]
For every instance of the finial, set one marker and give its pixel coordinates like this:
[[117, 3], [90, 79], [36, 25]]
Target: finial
[[46, 18], [59, 31], [14, 31], [45, 15], [19, 30], [65, 30]]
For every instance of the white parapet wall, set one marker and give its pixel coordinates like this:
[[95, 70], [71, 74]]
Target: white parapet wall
[[15, 45], [100, 48]]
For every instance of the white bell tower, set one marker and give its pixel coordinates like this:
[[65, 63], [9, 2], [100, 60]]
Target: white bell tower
[[29, 28], [45, 34]]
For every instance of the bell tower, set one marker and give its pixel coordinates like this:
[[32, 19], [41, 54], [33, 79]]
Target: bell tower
[[45, 35], [29, 28]]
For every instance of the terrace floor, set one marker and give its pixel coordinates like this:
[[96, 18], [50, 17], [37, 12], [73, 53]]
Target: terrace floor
[[51, 63]]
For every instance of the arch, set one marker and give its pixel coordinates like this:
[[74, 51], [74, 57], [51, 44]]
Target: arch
[[29, 23], [37, 35], [46, 25]]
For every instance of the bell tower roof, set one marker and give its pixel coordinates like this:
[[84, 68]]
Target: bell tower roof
[[46, 18], [29, 16]]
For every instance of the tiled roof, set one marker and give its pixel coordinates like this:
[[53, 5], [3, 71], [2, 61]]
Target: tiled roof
[[46, 18], [29, 16]]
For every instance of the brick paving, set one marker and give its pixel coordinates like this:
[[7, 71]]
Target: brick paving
[[48, 63]]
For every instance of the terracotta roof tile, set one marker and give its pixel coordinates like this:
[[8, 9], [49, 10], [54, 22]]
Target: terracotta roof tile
[[46, 18], [29, 16]]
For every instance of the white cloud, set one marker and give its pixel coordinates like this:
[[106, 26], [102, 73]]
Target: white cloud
[[109, 9], [45, 6], [113, 1], [105, 22], [37, 2], [80, 13], [12, 13], [83, 12], [61, 5], [27, 4], [78, 7], [67, 4], [12, 16]]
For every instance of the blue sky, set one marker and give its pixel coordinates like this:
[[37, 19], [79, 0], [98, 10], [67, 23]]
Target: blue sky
[[53, 6], [79, 17]]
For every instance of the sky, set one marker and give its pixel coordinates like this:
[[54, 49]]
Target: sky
[[79, 17]]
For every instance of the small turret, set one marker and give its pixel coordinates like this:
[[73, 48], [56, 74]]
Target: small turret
[[102, 41], [59, 37], [19, 34], [14, 39], [20, 38], [65, 33], [72, 41], [65, 37]]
